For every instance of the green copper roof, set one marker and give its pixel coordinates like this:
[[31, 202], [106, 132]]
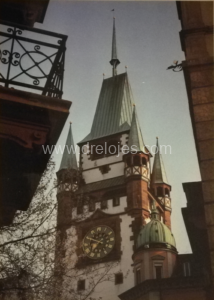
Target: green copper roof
[[135, 135], [69, 160], [155, 232], [114, 109], [158, 171]]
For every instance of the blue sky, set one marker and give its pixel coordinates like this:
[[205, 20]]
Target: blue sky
[[148, 42]]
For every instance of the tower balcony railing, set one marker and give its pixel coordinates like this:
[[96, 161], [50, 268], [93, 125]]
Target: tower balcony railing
[[32, 59]]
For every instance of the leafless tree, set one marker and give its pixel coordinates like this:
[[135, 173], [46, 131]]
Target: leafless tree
[[28, 253]]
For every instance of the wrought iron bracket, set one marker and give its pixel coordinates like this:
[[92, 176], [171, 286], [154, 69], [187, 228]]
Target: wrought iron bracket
[[176, 67]]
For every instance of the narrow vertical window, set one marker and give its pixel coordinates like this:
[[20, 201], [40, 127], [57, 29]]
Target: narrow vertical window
[[159, 191], [91, 205], [103, 204], [186, 269], [144, 162], [158, 272], [81, 285], [116, 201], [138, 276]]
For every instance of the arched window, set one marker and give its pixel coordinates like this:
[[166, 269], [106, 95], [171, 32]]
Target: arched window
[[159, 191], [136, 160], [167, 192], [144, 161]]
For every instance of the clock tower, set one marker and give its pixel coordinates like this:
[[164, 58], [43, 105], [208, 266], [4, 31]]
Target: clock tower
[[108, 198]]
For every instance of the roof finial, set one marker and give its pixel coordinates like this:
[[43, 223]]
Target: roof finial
[[154, 211], [114, 60]]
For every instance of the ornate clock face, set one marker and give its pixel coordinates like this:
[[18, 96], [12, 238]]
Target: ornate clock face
[[98, 242]]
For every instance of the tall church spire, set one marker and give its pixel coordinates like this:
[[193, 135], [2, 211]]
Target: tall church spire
[[69, 160], [158, 172], [114, 60]]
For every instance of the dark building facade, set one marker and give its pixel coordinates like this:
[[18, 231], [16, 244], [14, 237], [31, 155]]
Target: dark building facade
[[197, 43], [32, 111]]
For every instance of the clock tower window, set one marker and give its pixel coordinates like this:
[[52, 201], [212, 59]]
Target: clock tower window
[[144, 162], [79, 206], [137, 160], [91, 205], [104, 204], [119, 278], [167, 192], [81, 285], [138, 276], [129, 161], [104, 169], [116, 201], [97, 151], [159, 191]]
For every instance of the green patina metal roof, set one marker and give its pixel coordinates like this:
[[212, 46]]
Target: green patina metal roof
[[69, 160], [135, 135], [158, 171], [114, 109], [155, 232]]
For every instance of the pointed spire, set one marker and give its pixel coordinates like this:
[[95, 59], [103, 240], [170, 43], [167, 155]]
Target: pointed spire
[[69, 160], [158, 172], [135, 135], [154, 211], [114, 60]]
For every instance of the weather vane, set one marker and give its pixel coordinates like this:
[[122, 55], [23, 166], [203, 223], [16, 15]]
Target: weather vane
[[176, 67]]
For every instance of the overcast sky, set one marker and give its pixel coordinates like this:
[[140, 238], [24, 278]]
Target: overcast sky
[[148, 42]]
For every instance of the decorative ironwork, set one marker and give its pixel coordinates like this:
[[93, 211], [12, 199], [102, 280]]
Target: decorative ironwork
[[176, 67], [32, 58]]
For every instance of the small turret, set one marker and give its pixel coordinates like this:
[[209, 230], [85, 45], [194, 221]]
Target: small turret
[[137, 170], [160, 186], [67, 178], [155, 253]]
